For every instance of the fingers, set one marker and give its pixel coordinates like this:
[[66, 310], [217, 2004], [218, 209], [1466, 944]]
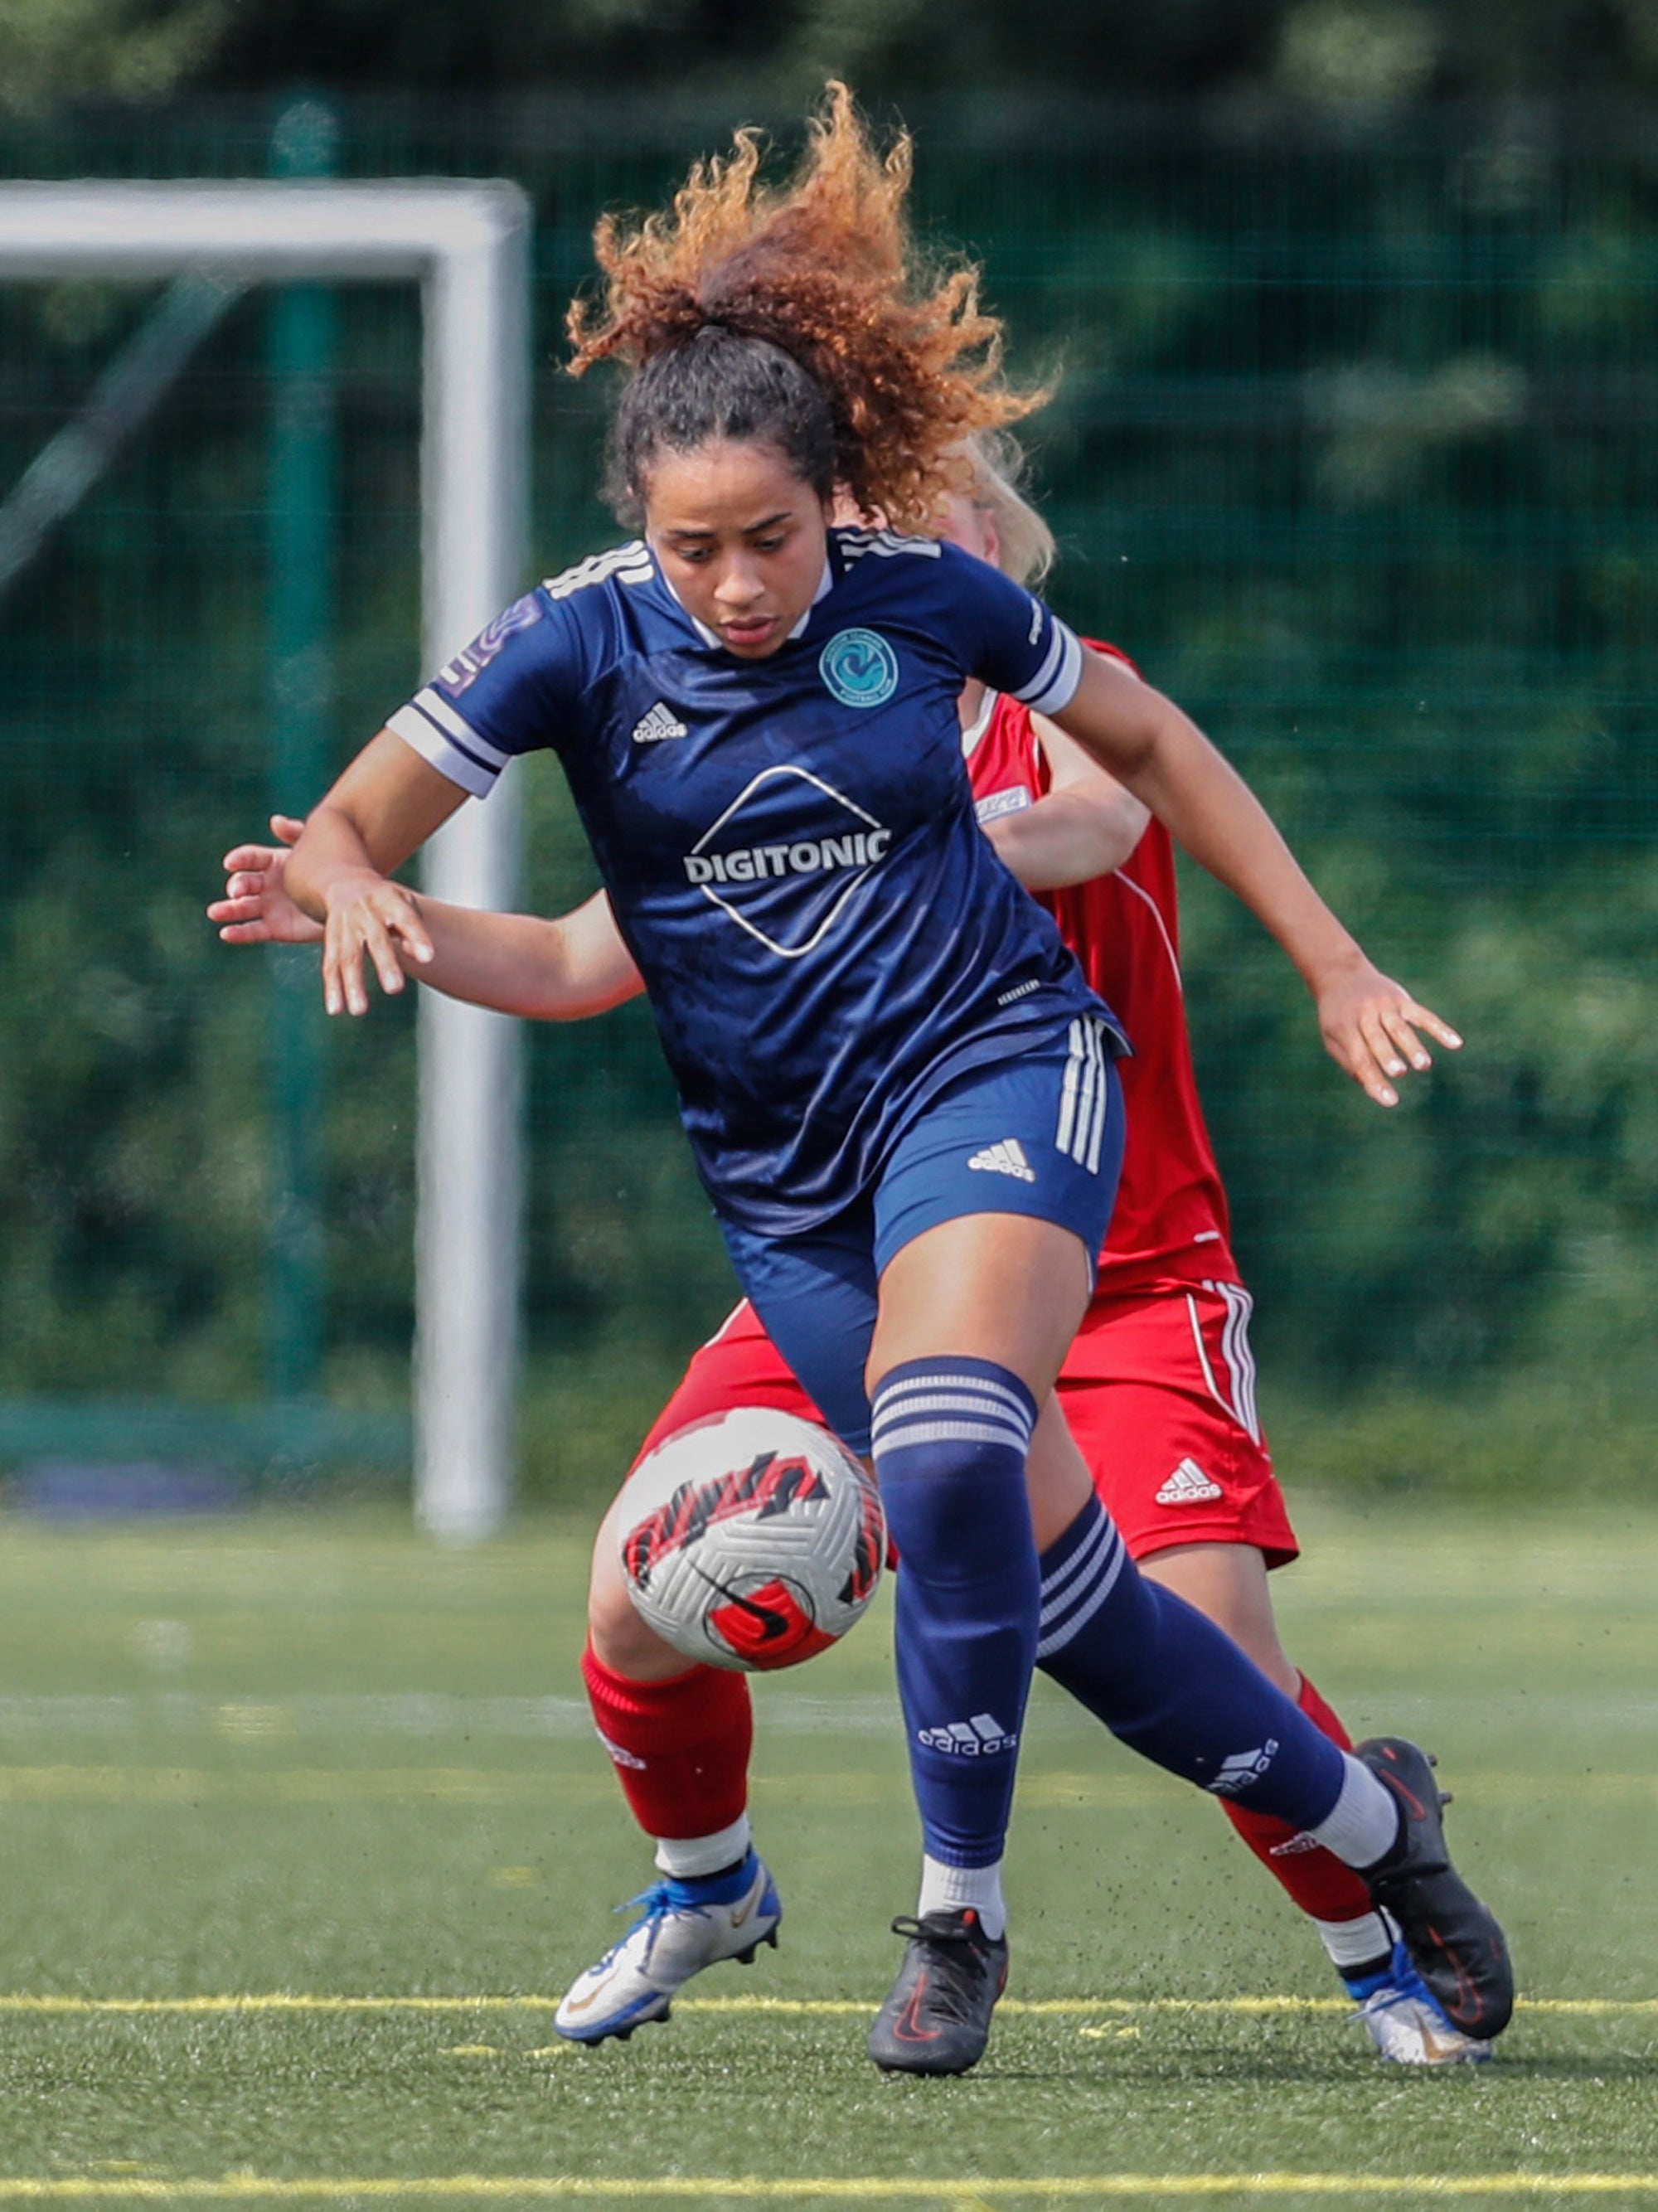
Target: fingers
[[236, 907], [287, 828], [369, 925], [1441, 1032], [1377, 1040], [244, 932], [383, 952], [407, 924], [260, 858]]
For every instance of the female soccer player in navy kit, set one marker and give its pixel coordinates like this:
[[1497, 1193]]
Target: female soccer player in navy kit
[[1156, 1389], [757, 715]]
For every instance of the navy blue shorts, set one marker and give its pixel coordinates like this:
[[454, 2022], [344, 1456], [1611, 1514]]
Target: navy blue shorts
[[1041, 1134]]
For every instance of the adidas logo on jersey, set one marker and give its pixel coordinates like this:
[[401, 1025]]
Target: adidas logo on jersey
[[1006, 1158], [975, 1739], [1242, 1768], [1188, 1485], [659, 723]]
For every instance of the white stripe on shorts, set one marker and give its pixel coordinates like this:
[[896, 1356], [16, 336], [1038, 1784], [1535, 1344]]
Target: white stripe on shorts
[[1085, 1095]]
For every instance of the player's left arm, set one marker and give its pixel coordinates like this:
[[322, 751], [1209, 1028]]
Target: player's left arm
[[1369, 1022], [1084, 825]]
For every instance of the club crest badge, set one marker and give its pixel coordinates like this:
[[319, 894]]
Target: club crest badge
[[858, 668]]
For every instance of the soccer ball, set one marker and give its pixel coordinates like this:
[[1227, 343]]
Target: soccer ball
[[751, 1539]]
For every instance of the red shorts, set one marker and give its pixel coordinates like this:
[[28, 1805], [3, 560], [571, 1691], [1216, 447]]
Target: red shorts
[[1159, 1392], [1159, 1389]]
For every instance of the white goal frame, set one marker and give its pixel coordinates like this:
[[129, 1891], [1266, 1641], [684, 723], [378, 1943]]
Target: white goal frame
[[467, 244]]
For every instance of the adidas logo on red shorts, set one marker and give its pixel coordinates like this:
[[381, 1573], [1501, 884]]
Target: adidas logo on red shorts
[[1188, 1485]]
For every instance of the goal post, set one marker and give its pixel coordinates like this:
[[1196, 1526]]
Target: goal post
[[467, 243]]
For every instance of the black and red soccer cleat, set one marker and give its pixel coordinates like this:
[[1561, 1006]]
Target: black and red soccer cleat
[[937, 2016], [1453, 1940]]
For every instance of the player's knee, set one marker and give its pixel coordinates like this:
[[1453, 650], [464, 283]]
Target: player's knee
[[621, 1640]]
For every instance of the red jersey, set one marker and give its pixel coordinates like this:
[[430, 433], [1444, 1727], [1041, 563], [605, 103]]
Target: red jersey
[[1170, 1219]]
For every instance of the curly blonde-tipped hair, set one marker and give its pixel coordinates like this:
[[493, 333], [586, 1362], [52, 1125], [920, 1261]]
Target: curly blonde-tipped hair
[[824, 271]]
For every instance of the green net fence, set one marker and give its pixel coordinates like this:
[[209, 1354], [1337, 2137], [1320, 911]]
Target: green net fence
[[1352, 448]]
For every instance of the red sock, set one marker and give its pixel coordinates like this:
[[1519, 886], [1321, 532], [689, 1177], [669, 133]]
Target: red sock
[[681, 1747], [1320, 1883]]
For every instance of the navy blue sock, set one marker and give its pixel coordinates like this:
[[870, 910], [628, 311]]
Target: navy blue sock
[[950, 1438], [1171, 1684]]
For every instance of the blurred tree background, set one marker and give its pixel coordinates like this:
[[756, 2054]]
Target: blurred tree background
[[1353, 302]]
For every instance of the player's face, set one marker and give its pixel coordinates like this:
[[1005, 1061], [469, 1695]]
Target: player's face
[[740, 539], [965, 523]]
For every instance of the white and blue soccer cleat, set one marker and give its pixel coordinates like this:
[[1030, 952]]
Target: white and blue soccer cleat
[[685, 1926], [1404, 2021]]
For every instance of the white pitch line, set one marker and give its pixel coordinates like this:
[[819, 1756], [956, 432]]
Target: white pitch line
[[281, 2001]]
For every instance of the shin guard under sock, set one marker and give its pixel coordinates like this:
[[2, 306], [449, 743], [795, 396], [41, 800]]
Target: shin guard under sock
[[1315, 1879], [680, 1749], [1174, 1687], [950, 1438]]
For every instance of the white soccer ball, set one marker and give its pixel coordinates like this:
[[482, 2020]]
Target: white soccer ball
[[752, 1539]]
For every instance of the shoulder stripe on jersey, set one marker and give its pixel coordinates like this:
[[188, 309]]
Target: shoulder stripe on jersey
[[1141, 892], [440, 749], [1054, 684], [436, 708], [854, 543], [630, 564]]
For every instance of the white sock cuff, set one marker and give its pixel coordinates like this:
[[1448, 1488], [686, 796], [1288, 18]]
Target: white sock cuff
[[683, 1858], [1363, 1825], [953, 1889], [1355, 1942]]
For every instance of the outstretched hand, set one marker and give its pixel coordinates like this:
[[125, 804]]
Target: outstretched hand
[[1370, 1025], [256, 908]]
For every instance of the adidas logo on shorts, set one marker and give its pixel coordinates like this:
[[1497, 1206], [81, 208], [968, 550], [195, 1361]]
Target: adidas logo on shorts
[[1188, 1485], [659, 723], [1006, 1158]]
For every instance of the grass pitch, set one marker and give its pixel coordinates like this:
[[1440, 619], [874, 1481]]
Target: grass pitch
[[303, 1831]]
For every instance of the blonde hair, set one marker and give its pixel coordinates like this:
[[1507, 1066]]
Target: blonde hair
[[1027, 548], [698, 301]]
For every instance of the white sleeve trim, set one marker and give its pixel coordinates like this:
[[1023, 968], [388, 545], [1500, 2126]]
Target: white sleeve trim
[[1054, 686], [419, 731], [436, 708]]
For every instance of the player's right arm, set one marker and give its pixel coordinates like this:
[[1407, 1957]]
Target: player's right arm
[[523, 679], [559, 970], [385, 806]]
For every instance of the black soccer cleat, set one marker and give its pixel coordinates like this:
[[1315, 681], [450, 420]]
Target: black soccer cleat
[[937, 2016], [1453, 1940]]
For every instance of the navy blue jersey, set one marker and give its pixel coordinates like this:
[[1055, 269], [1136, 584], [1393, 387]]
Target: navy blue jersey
[[789, 844]]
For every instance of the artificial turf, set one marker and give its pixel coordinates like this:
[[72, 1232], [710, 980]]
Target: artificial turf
[[313, 1758]]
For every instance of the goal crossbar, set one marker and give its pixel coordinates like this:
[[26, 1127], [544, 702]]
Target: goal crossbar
[[467, 243]]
